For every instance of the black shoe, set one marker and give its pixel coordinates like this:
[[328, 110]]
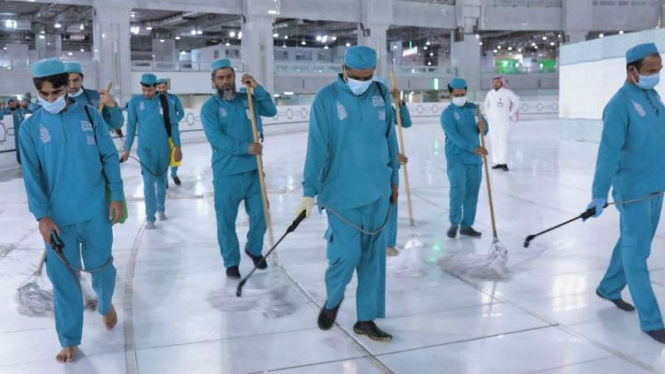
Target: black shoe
[[259, 261], [469, 231], [327, 317], [505, 167], [452, 232], [233, 272], [497, 166], [372, 331], [177, 181], [657, 335], [626, 307]]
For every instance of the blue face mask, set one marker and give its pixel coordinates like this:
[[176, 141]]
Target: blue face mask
[[54, 107], [358, 87], [648, 82]]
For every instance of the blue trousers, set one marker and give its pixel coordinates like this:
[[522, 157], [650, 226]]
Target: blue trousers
[[91, 240], [230, 191], [154, 186], [629, 260], [465, 182], [174, 171], [351, 251]]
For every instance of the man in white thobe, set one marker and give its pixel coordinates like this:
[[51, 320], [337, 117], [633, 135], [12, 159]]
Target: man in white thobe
[[501, 106]]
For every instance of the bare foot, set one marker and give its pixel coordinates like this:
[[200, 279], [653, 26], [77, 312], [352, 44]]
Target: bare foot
[[66, 355], [110, 319]]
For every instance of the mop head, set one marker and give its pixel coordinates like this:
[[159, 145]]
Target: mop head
[[415, 241], [266, 293], [409, 264], [491, 266], [33, 300]]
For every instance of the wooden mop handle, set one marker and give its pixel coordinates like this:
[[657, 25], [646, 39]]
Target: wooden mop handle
[[393, 87], [487, 170], [108, 89], [259, 162]]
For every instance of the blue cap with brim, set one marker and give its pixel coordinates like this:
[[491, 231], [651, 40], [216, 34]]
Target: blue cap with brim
[[221, 64], [149, 79], [360, 58], [640, 51], [47, 68], [73, 67], [161, 80], [458, 84]]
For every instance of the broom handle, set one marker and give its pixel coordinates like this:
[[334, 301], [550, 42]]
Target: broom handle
[[108, 89], [259, 161], [393, 86], [487, 170]]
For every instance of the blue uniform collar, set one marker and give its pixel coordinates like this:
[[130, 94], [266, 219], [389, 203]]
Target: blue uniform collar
[[633, 88], [341, 84]]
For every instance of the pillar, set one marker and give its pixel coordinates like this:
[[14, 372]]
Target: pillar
[[374, 36], [256, 49], [466, 57], [112, 48], [576, 17]]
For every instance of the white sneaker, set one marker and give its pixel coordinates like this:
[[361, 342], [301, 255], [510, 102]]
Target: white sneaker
[[162, 216], [150, 226]]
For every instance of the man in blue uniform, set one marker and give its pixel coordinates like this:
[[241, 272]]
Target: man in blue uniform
[[631, 160], [174, 101], [112, 113], [155, 127], [67, 163], [227, 125], [352, 168], [464, 158]]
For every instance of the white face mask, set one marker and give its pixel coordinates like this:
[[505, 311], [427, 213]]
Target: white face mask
[[358, 87], [54, 107], [78, 93], [459, 101]]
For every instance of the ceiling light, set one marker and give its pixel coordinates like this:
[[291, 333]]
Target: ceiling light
[[601, 35], [133, 15], [42, 37], [199, 32], [70, 54], [431, 54], [232, 34], [42, 32], [424, 48], [177, 38], [57, 25], [183, 52], [553, 44], [621, 32], [499, 47], [193, 32], [429, 63], [544, 38], [318, 38], [348, 44], [303, 42], [510, 48], [275, 35], [240, 35], [480, 43], [477, 36], [324, 39], [82, 27], [427, 43], [286, 37], [284, 45], [394, 47], [149, 28], [494, 51], [334, 38], [162, 40], [227, 44], [82, 50], [135, 30], [519, 50], [326, 47]]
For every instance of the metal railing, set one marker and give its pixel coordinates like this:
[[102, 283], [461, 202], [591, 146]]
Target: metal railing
[[529, 3], [11, 64], [186, 66], [425, 70], [447, 2], [524, 70]]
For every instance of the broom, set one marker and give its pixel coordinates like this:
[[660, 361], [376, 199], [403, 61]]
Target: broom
[[414, 242], [262, 180], [493, 264]]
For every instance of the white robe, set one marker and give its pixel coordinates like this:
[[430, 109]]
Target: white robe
[[501, 107]]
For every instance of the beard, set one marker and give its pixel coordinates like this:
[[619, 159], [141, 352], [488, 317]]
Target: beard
[[227, 93]]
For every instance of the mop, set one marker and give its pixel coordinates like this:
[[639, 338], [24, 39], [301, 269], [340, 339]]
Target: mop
[[493, 264], [588, 214], [32, 296], [262, 180]]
